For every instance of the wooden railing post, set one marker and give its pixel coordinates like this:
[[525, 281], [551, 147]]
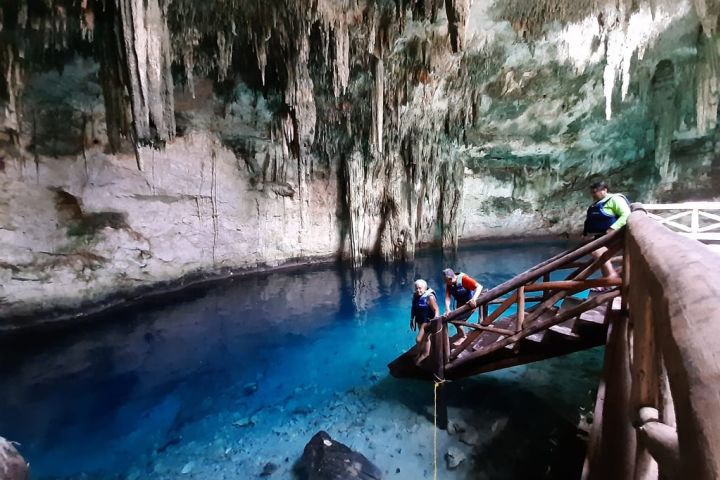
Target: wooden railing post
[[438, 351], [616, 449], [626, 279], [521, 308], [546, 278]]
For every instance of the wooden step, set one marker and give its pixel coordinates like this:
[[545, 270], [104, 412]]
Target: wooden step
[[567, 304], [535, 337], [564, 332], [595, 316]]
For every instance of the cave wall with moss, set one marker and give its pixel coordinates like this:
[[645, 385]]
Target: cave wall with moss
[[145, 140]]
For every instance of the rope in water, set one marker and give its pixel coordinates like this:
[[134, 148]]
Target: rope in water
[[435, 468], [438, 382]]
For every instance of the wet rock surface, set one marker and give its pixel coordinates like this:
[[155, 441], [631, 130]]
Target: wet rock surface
[[12, 465]]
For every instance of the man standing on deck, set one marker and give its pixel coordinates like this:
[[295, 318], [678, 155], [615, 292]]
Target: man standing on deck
[[464, 289], [609, 212]]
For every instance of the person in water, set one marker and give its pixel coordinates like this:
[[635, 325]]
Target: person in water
[[424, 309], [609, 212], [464, 289]]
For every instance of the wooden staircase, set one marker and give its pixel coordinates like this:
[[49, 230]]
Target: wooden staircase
[[557, 322], [587, 330]]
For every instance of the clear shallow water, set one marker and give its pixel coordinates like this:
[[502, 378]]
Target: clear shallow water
[[227, 378]]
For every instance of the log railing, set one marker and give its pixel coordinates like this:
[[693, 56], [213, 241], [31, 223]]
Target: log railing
[[658, 408], [691, 219]]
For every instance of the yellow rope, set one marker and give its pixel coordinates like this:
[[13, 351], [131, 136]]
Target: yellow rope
[[435, 475], [438, 382]]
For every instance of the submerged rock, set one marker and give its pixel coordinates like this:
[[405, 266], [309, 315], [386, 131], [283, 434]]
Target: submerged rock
[[12, 465], [250, 388], [454, 458], [268, 469], [188, 468], [326, 459]]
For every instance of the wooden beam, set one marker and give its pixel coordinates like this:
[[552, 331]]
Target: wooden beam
[[681, 206], [438, 347], [574, 284], [616, 457], [662, 442], [520, 307], [488, 328], [500, 310], [528, 299]]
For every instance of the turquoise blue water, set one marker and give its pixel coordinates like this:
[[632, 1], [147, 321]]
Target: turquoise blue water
[[238, 374]]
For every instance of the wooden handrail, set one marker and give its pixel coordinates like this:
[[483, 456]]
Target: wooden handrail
[[489, 328], [528, 299], [536, 327], [538, 271], [670, 374], [574, 284]]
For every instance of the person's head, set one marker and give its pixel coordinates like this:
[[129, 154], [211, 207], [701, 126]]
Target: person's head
[[598, 190], [449, 276], [420, 286]]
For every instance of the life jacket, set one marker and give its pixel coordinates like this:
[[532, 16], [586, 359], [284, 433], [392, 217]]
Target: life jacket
[[597, 220], [461, 294], [421, 309]]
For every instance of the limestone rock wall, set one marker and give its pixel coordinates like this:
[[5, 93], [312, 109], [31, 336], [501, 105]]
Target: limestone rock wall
[[141, 141]]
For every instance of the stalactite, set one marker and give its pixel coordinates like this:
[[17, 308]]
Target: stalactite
[[11, 87], [110, 52], [87, 21], [707, 72], [665, 115], [457, 11], [260, 42], [146, 41], [356, 183], [708, 11], [12, 75], [341, 65], [378, 105], [190, 41], [225, 48], [451, 186]]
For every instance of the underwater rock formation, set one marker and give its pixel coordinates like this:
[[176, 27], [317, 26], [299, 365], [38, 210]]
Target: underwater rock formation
[[328, 459], [247, 133]]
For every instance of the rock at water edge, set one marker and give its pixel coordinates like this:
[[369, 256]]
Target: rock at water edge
[[12, 465]]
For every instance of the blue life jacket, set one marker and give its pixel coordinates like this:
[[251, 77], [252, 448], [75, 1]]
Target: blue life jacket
[[461, 294], [597, 221], [421, 309]]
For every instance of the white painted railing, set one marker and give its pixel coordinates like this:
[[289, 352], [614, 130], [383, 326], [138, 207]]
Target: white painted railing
[[692, 219]]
